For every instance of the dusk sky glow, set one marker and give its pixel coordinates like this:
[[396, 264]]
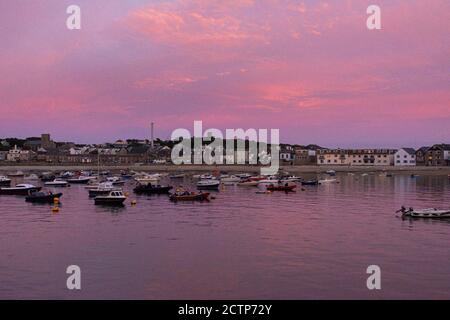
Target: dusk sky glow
[[310, 68]]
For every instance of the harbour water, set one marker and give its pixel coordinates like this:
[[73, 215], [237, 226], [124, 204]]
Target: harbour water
[[310, 244]]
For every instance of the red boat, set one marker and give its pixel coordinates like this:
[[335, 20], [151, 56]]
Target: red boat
[[192, 196], [281, 188]]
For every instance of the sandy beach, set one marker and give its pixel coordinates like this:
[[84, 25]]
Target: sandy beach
[[293, 169]]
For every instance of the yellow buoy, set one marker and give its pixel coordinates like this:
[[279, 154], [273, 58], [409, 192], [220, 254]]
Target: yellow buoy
[[126, 194], [55, 209], [133, 203], [56, 200]]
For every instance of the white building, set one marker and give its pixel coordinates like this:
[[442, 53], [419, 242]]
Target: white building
[[405, 157], [17, 154]]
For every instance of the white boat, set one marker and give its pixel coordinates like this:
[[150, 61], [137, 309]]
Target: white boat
[[20, 190], [230, 179], [327, 181], [80, 180], [210, 184], [331, 172], [274, 180], [116, 181], [293, 178], [114, 198], [56, 183], [4, 181], [67, 174], [148, 178], [430, 213], [248, 183], [207, 177], [103, 188]]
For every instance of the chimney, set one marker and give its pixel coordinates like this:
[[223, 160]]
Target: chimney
[[151, 134]]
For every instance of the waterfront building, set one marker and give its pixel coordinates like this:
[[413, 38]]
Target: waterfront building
[[18, 154], [405, 157], [438, 155], [421, 156], [356, 157]]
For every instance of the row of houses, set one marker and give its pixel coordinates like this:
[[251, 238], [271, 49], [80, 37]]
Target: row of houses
[[129, 152], [436, 155]]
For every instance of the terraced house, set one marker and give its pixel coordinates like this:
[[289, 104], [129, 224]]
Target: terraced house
[[356, 157]]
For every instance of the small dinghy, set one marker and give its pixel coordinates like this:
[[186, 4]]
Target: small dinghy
[[152, 189], [208, 184], [230, 179], [314, 182], [20, 190], [57, 183], [431, 213], [43, 197], [114, 198], [331, 172], [189, 196], [4, 181]]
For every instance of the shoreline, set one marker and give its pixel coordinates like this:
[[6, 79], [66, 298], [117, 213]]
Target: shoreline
[[227, 168]]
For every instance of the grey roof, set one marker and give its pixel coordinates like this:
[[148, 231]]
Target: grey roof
[[411, 151], [423, 149]]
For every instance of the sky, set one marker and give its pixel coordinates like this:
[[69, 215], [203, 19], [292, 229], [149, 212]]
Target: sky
[[309, 68]]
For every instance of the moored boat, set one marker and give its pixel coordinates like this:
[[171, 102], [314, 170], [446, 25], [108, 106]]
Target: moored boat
[[230, 179], [4, 181], [116, 181], [148, 178], [43, 197], [19, 190], [313, 182], [103, 188], [429, 213], [210, 184], [248, 183], [56, 183], [152, 189], [80, 180], [113, 198], [189, 196], [286, 188]]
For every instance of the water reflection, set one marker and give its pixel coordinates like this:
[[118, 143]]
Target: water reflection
[[315, 243]]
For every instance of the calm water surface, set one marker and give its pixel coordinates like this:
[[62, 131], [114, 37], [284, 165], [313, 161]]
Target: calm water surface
[[242, 245]]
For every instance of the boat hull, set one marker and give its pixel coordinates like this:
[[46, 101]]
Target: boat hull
[[43, 199], [152, 190], [18, 192], [191, 197], [109, 201], [281, 188]]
